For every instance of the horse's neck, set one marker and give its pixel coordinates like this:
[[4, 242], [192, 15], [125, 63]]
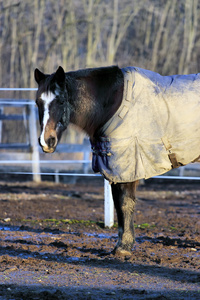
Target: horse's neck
[[96, 99]]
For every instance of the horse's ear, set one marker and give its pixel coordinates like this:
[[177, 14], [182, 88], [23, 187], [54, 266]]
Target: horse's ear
[[60, 75], [39, 76]]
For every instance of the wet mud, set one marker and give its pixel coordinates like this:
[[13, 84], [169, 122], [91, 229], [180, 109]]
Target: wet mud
[[53, 244]]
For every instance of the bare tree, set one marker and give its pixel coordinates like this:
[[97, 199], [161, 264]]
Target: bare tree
[[190, 30], [159, 35]]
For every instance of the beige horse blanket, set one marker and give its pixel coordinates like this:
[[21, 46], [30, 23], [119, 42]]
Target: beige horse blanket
[[156, 128]]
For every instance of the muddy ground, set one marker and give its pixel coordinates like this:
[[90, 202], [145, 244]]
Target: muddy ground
[[53, 244]]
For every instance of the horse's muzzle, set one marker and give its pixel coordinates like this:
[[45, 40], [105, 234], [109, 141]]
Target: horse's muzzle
[[50, 144], [48, 150]]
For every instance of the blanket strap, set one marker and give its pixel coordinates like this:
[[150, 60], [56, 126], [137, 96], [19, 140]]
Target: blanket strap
[[127, 94], [122, 111], [173, 160], [172, 156]]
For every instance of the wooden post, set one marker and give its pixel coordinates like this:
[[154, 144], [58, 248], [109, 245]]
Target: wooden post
[[108, 205], [86, 155], [1, 112], [34, 144]]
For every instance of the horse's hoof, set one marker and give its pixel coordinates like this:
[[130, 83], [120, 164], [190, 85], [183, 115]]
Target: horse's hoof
[[122, 252]]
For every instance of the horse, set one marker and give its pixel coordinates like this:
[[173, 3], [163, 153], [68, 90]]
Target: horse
[[129, 117]]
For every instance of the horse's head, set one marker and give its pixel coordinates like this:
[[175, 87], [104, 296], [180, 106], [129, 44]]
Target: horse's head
[[53, 106]]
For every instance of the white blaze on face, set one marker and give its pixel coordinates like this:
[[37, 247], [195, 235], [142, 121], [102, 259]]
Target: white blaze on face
[[47, 98]]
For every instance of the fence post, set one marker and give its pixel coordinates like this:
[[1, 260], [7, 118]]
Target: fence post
[[108, 205], [34, 144], [1, 112], [86, 155]]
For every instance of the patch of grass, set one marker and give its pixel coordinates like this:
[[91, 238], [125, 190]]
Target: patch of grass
[[144, 226], [55, 221], [85, 223], [173, 228], [29, 221], [65, 221]]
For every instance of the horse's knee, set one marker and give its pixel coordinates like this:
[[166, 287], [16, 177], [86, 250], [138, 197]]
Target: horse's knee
[[128, 205]]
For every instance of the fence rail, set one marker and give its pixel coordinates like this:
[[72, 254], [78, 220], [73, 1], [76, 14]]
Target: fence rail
[[18, 89], [30, 152]]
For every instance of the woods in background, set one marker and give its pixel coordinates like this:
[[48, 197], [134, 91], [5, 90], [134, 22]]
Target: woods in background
[[161, 35]]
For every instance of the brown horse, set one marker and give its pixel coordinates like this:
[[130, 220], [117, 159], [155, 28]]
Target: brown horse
[[100, 101]]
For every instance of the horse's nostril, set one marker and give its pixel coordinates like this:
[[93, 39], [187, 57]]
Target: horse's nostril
[[51, 142]]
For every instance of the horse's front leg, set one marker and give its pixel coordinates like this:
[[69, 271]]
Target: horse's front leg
[[124, 200]]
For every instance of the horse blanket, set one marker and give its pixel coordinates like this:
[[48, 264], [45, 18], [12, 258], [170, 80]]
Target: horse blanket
[[155, 129]]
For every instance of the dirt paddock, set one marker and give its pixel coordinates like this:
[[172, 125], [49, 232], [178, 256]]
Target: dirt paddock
[[53, 244]]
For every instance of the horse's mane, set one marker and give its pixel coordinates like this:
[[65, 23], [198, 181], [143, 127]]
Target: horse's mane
[[93, 72], [82, 73]]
